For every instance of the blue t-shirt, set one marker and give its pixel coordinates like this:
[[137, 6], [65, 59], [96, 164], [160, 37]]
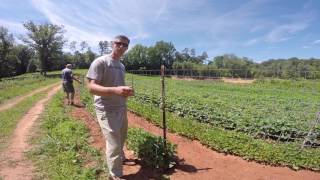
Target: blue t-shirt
[[67, 75]]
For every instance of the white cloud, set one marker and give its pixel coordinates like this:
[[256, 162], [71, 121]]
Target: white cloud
[[157, 19], [285, 32], [252, 42], [102, 20], [311, 44], [213, 26], [292, 25], [316, 41], [237, 20]]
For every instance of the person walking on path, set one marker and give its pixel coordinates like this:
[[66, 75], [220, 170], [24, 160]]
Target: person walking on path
[[67, 83], [106, 81]]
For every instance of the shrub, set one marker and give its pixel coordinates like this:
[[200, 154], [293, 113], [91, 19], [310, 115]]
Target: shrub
[[150, 149]]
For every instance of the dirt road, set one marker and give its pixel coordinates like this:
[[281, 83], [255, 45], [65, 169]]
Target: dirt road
[[13, 163]]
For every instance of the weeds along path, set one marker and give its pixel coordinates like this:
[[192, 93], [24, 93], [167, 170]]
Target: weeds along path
[[12, 102], [13, 163]]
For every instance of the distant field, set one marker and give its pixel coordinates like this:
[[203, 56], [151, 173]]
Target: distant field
[[265, 121], [21, 85], [276, 109]]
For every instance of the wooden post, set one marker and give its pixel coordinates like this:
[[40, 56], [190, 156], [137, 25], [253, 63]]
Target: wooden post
[[162, 107]]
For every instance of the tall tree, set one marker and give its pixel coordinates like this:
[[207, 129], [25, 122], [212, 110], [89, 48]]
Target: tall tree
[[6, 46], [73, 46], [23, 55], [83, 46], [165, 51], [47, 40], [137, 58], [203, 57]]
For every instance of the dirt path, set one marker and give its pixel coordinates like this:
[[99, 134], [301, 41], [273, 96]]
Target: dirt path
[[12, 102], [196, 160], [13, 163]]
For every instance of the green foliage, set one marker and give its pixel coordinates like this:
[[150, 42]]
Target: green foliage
[[87, 100], [232, 142], [141, 57], [137, 58], [63, 150], [10, 117], [24, 55], [65, 165], [150, 149], [23, 84], [292, 68], [273, 110], [237, 118], [7, 60], [47, 39]]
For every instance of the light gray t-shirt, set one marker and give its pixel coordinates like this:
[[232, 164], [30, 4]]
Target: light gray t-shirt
[[109, 73]]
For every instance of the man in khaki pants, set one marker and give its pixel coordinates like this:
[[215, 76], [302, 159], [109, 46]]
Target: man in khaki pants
[[106, 80]]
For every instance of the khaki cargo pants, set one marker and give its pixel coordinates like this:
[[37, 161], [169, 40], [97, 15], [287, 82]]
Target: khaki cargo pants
[[114, 126]]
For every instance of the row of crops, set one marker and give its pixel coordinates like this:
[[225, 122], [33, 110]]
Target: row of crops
[[274, 109]]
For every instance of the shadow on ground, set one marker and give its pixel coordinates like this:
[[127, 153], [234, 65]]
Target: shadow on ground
[[147, 173]]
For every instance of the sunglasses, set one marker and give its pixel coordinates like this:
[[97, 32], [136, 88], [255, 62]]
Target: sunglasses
[[121, 44]]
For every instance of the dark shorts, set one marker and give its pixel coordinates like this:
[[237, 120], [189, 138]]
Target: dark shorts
[[68, 87]]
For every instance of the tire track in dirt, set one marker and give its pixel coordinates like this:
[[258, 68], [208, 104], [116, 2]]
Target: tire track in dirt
[[13, 163], [12, 102]]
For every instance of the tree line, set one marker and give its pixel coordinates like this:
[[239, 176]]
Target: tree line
[[187, 62], [42, 49]]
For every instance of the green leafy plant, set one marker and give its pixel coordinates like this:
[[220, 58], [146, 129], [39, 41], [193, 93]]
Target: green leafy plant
[[150, 149]]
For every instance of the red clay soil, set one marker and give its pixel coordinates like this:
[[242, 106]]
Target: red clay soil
[[195, 160], [13, 163]]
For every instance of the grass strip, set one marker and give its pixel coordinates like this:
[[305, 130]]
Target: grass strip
[[10, 117], [62, 150], [13, 88]]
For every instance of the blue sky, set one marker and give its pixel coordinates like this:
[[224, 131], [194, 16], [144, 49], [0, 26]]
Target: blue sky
[[257, 29]]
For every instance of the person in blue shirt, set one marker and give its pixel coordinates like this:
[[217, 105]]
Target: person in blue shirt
[[67, 83]]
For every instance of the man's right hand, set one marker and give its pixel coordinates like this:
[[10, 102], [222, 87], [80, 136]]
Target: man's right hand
[[124, 91]]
